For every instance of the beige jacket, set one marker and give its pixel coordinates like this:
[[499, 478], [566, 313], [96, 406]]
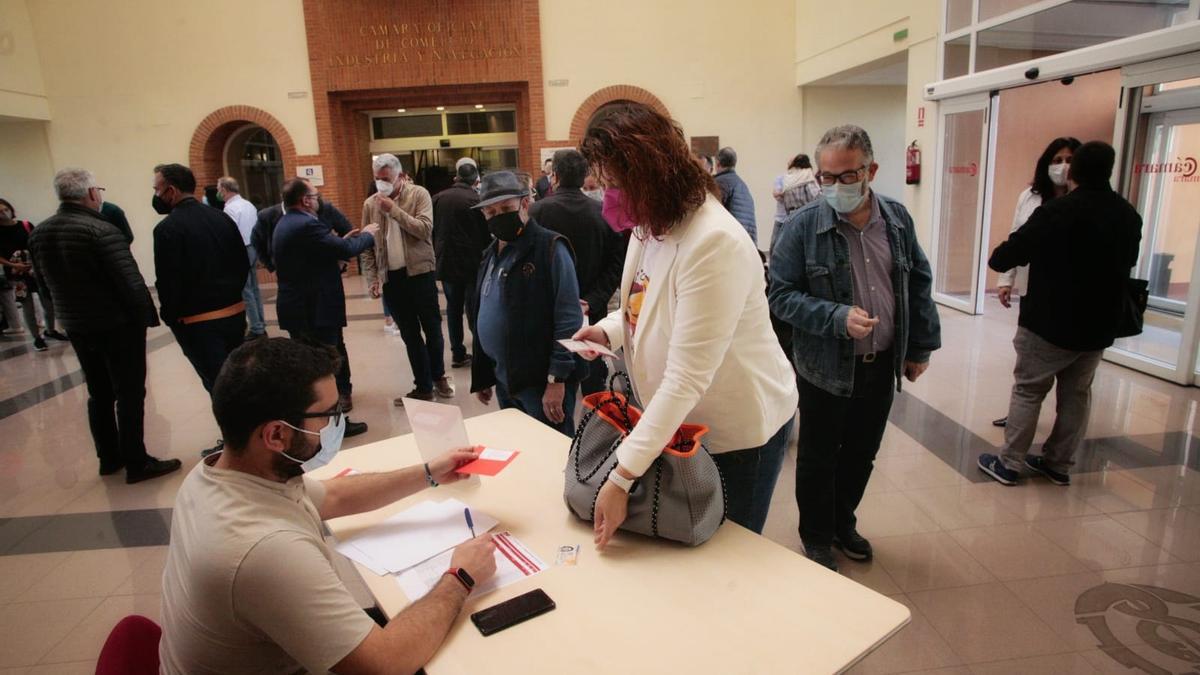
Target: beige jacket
[[413, 214]]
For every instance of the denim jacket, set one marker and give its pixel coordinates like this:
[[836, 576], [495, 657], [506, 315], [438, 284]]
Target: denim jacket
[[812, 289]]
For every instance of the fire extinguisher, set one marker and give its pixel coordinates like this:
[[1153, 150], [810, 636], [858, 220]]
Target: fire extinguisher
[[912, 165]]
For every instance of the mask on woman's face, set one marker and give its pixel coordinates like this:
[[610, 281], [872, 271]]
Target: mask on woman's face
[[616, 211], [1058, 173]]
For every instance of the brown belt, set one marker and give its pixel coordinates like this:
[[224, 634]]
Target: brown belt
[[222, 313]]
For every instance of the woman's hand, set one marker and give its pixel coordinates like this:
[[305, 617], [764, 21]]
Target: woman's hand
[[592, 334], [612, 505], [444, 468]]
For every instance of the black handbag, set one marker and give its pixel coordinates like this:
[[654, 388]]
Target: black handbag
[[1132, 310]]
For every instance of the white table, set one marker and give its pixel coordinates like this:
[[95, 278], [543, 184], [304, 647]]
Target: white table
[[737, 604]]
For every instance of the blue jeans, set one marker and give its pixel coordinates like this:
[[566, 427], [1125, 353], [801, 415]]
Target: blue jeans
[[252, 297], [529, 401], [750, 477], [456, 299]]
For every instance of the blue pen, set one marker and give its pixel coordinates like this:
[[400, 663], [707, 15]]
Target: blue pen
[[470, 523]]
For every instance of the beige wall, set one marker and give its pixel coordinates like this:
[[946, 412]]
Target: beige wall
[[22, 91], [719, 68], [25, 181], [879, 110]]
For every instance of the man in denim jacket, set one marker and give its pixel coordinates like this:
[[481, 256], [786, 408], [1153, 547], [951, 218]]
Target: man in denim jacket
[[848, 274]]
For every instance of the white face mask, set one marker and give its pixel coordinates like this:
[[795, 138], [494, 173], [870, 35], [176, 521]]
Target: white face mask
[[384, 187], [331, 441], [1058, 173]]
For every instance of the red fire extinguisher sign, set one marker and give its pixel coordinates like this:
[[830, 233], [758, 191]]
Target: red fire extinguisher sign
[[912, 165]]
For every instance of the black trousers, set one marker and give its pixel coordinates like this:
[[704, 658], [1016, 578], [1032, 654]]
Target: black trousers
[[206, 344], [114, 369], [456, 303], [839, 438], [413, 303], [332, 336]]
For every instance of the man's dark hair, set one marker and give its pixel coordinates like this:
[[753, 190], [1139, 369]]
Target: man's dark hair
[[570, 167], [179, 176], [548, 160], [800, 161], [727, 158], [294, 192], [467, 174], [265, 380], [1092, 165]]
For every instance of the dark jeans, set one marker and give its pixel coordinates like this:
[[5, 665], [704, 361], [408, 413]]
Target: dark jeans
[[114, 368], [413, 303], [529, 401], [839, 437], [332, 336], [206, 344], [456, 300], [750, 477]]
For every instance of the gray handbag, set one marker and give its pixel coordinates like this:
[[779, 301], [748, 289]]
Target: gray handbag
[[681, 496]]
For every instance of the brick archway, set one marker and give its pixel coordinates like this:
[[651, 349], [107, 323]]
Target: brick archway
[[619, 92], [208, 141]]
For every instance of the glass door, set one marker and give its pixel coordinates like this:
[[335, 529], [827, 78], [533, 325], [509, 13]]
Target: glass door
[[959, 202], [1160, 177]]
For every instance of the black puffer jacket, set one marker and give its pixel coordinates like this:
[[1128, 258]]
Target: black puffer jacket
[[86, 264]]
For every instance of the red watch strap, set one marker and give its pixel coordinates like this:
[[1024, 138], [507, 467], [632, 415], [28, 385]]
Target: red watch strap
[[453, 572]]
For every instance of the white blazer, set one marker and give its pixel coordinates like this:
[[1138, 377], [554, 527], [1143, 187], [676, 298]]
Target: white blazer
[[1018, 277], [704, 351]]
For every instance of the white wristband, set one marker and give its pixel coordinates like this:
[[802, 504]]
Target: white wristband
[[626, 484]]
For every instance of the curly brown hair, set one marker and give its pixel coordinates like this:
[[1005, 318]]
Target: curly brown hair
[[645, 154]]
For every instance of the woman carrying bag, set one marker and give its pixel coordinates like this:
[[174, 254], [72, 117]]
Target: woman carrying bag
[[693, 320]]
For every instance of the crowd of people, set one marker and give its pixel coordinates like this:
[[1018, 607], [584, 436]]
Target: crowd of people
[[843, 316]]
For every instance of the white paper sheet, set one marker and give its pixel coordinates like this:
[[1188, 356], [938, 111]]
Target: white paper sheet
[[413, 535], [513, 562], [437, 427]]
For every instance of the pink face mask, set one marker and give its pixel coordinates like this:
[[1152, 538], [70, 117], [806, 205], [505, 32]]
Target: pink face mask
[[615, 212]]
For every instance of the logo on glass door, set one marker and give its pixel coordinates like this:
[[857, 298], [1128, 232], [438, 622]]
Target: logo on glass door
[[971, 169], [1184, 169]]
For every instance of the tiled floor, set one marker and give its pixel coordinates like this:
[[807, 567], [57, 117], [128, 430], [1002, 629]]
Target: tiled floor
[[1028, 579]]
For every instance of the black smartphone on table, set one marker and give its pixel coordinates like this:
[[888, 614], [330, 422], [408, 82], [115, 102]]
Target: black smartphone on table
[[512, 612]]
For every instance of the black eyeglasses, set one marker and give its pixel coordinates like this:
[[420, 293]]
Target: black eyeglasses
[[334, 415], [845, 178]]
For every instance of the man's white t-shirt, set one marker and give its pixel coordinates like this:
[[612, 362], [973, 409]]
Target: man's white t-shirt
[[244, 214], [249, 586]]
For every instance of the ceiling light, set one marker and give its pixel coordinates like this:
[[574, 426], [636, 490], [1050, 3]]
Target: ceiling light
[[399, 109], [479, 106], [441, 108]]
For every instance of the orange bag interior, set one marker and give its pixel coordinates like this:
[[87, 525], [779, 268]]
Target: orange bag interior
[[607, 405]]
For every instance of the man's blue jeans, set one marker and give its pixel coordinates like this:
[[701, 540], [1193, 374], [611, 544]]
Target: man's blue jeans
[[252, 297], [529, 401], [750, 477]]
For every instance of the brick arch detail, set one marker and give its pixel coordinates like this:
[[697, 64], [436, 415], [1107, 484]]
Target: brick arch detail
[[205, 155], [618, 92]]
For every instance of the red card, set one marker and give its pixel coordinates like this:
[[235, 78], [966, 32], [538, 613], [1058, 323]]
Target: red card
[[491, 462]]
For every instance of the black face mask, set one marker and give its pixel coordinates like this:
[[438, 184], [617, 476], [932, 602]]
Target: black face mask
[[506, 226], [160, 205]]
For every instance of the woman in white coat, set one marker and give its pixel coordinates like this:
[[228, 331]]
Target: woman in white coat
[[693, 320], [1049, 181]]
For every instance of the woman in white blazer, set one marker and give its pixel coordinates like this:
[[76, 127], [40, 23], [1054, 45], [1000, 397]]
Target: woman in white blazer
[[1049, 182], [693, 320]]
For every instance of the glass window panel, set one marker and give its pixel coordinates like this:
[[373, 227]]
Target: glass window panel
[[1072, 26], [958, 217], [990, 9], [956, 60], [410, 126], [503, 121], [958, 14]]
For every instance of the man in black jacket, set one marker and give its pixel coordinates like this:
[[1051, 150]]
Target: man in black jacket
[[102, 301], [312, 303], [201, 266], [1079, 249], [599, 251], [459, 236]]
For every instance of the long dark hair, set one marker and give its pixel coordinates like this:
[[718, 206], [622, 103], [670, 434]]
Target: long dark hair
[[1041, 183], [648, 156]]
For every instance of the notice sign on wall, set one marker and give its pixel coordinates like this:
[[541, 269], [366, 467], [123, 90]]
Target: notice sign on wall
[[313, 172]]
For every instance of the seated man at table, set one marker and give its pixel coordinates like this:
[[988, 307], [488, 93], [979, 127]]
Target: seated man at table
[[249, 586]]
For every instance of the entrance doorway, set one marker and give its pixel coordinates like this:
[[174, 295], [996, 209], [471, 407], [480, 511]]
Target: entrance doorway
[[253, 159]]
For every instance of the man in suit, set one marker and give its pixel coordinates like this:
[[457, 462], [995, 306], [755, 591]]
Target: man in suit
[[311, 302], [264, 229], [599, 251]]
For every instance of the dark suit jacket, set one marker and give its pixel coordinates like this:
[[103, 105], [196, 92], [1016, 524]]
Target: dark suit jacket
[[460, 234], [307, 257], [264, 229], [599, 252]]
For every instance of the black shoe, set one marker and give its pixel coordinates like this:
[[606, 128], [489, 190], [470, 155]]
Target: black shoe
[[214, 449], [1002, 422], [853, 545], [346, 402], [55, 335], [110, 469], [461, 363], [419, 394], [355, 428], [1038, 464], [822, 555], [253, 336], [39, 344], [152, 469]]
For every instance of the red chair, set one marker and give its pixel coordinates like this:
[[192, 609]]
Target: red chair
[[131, 648]]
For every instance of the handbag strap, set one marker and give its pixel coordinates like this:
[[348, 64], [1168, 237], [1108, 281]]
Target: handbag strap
[[657, 494]]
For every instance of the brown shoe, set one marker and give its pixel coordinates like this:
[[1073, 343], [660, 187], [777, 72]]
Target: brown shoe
[[444, 387], [415, 393], [346, 402]]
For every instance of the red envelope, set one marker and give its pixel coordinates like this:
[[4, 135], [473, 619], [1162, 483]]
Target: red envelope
[[491, 462]]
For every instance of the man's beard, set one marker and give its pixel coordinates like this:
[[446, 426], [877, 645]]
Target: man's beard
[[285, 468]]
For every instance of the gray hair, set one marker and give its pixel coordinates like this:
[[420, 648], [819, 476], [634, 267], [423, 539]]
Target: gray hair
[[847, 137], [72, 184], [387, 161], [727, 157], [229, 184]]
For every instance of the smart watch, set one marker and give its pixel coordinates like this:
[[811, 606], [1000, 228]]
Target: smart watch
[[463, 578]]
